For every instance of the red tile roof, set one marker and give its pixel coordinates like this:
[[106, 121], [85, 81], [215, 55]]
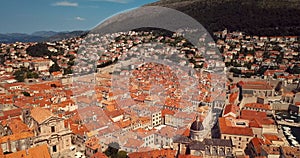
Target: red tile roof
[[133, 143], [257, 143], [11, 113], [233, 97], [93, 143], [16, 125], [231, 108], [271, 137], [99, 155], [40, 114], [226, 128], [38, 151], [257, 85], [257, 118], [250, 114], [154, 153], [15, 137], [167, 131], [188, 156], [258, 106]]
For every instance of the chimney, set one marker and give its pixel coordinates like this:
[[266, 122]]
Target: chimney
[[9, 145]]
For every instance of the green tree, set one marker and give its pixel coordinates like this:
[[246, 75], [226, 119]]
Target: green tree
[[248, 65], [26, 94], [19, 75], [112, 150], [296, 69], [70, 63], [30, 74], [261, 70], [38, 50], [266, 55], [235, 71], [54, 67], [227, 64], [68, 71], [122, 154]]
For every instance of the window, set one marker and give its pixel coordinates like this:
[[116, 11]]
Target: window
[[241, 123], [54, 148], [52, 129], [240, 138], [67, 142]]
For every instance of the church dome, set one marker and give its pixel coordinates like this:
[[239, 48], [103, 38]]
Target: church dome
[[197, 125]]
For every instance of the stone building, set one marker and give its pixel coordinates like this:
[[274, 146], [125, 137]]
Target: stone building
[[199, 145], [48, 129], [237, 131], [41, 64], [92, 146], [14, 135], [257, 89]]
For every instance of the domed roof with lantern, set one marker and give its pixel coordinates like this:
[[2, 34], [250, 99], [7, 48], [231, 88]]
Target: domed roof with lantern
[[197, 125]]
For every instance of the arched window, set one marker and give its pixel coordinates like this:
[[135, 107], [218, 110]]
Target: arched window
[[197, 153], [228, 151], [214, 151], [221, 151], [207, 150]]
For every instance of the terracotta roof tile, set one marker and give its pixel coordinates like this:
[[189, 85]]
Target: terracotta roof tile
[[257, 143], [258, 106], [227, 129], [233, 97], [16, 125], [188, 156], [93, 143], [133, 143], [257, 118], [38, 151], [154, 153], [230, 108], [15, 137], [11, 113], [40, 114], [99, 155]]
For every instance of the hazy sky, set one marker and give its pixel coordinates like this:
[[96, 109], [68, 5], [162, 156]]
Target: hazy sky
[[28, 16]]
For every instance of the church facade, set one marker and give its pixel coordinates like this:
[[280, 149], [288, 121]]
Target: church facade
[[199, 144]]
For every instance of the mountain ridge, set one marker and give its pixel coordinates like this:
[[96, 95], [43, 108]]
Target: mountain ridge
[[255, 17], [39, 36]]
